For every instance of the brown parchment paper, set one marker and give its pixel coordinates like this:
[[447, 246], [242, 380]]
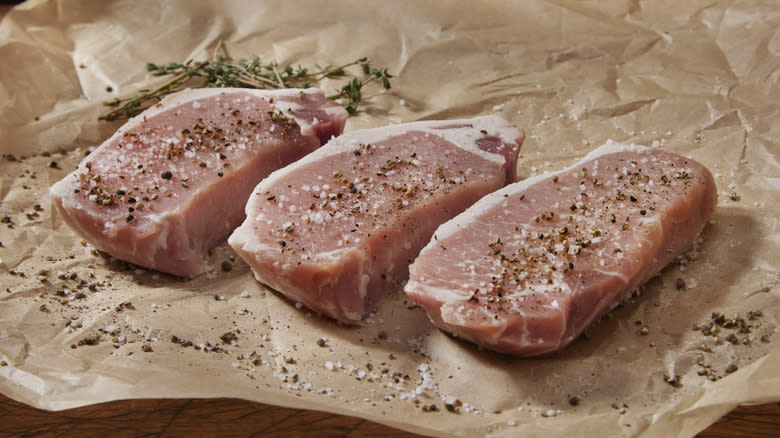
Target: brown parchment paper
[[694, 77]]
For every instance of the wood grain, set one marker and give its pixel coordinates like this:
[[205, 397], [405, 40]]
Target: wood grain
[[747, 421], [232, 417], [183, 417]]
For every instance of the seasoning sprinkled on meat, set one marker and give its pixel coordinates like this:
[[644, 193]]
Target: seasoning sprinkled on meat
[[172, 182], [337, 230], [527, 269]]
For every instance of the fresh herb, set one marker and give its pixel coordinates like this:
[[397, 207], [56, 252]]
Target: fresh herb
[[252, 72]]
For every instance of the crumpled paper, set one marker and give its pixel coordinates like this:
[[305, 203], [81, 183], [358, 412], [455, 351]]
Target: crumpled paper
[[700, 79]]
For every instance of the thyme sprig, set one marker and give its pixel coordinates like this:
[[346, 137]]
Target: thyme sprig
[[251, 72]]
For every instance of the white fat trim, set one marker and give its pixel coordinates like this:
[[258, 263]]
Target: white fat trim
[[475, 211], [457, 319], [244, 241], [163, 230], [441, 294], [363, 286], [465, 138], [612, 147], [63, 188], [353, 316], [190, 95], [615, 274], [243, 238], [288, 108]]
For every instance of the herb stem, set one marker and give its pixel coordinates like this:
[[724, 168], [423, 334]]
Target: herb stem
[[251, 81], [171, 86], [221, 71], [278, 77], [339, 70]]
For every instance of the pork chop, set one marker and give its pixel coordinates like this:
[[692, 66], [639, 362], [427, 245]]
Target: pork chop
[[172, 182], [528, 268], [336, 230]]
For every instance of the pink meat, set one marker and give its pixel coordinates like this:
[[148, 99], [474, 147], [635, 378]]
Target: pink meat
[[526, 269], [172, 182], [336, 230]]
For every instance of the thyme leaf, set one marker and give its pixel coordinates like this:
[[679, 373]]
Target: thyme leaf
[[223, 72]]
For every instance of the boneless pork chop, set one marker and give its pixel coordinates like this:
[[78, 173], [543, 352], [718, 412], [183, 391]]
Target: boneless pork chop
[[336, 230], [526, 269], [172, 182]]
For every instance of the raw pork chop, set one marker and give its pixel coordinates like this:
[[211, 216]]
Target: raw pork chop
[[173, 181], [336, 230], [526, 269]]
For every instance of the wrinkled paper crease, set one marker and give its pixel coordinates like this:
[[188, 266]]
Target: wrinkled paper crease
[[695, 78]]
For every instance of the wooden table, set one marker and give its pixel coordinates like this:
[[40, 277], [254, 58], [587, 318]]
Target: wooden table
[[232, 417]]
